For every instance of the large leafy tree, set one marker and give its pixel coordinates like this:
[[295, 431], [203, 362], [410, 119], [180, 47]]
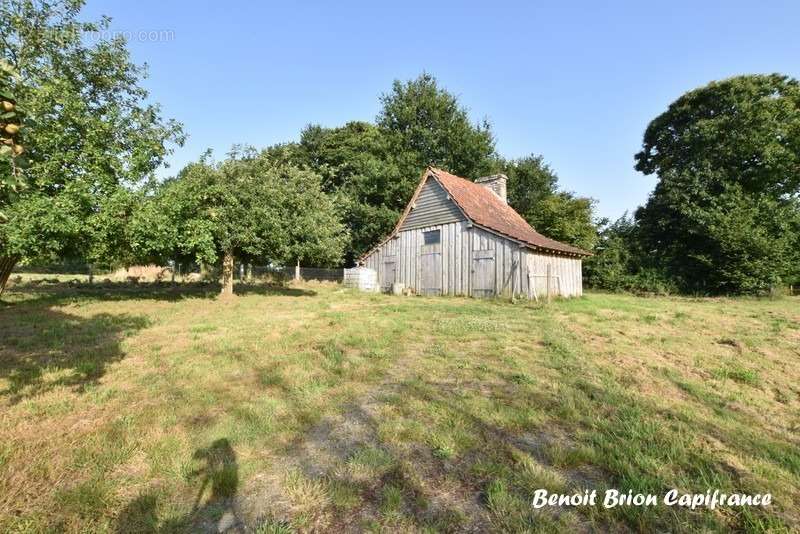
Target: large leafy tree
[[426, 125], [248, 208], [89, 129], [724, 214], [533, 192]]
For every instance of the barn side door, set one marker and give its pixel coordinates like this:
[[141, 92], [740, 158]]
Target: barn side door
[[389, 273], [430, 263], [430, 272], [483, 273]]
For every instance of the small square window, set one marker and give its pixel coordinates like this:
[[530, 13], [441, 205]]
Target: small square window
[[433, 237]]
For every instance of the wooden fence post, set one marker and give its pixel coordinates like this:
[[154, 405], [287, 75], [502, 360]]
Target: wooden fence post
[[513, 278], [532, 287], [297, 271], [549, 269]]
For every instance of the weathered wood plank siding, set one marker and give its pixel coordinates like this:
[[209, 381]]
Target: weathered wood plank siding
[[407, 246], [461, 243], [566, 273], [432, 207]]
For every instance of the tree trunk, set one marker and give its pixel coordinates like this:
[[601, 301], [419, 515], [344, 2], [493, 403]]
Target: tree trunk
[[227, 273], [6, 264]]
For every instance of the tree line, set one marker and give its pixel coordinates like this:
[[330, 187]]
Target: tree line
[[722, 219]]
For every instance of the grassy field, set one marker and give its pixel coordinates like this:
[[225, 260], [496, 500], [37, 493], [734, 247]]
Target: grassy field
[[311, 408]]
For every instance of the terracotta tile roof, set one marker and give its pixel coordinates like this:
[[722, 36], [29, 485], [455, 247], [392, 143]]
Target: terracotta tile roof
[[486, 209]]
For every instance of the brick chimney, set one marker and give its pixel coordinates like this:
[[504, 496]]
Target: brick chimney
[[495, 183]]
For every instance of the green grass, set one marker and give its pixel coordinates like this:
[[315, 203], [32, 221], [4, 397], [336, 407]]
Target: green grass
[[153, 408]]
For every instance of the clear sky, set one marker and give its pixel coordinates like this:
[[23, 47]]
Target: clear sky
[[575, 82]]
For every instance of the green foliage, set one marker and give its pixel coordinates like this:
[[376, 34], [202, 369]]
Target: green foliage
[[732, 242], [560, 215], [249, 205], [89, 130], [724, 216], [613, 262], [45, 227], [530, 181], [125, 228], [568, 218], [425, 125], [747, 128], [619, 264], [354, 164]]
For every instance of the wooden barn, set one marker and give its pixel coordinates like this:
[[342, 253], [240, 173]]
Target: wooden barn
[[458, 237]]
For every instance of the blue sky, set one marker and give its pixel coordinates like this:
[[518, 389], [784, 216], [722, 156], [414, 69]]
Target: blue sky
[[575, 82]]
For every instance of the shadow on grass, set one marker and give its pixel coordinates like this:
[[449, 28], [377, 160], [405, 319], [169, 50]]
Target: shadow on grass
[[113, 291], [404, 491], [38, 340], [487, 488], [214, 508]]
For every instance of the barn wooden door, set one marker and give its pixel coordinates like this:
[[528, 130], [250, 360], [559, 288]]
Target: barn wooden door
[[430, 273], [483, 273], [389, 273], [430, 263]]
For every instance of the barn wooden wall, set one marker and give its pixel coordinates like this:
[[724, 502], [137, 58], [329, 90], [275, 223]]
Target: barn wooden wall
[[566, 274], [458, 242], [432, 207]]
